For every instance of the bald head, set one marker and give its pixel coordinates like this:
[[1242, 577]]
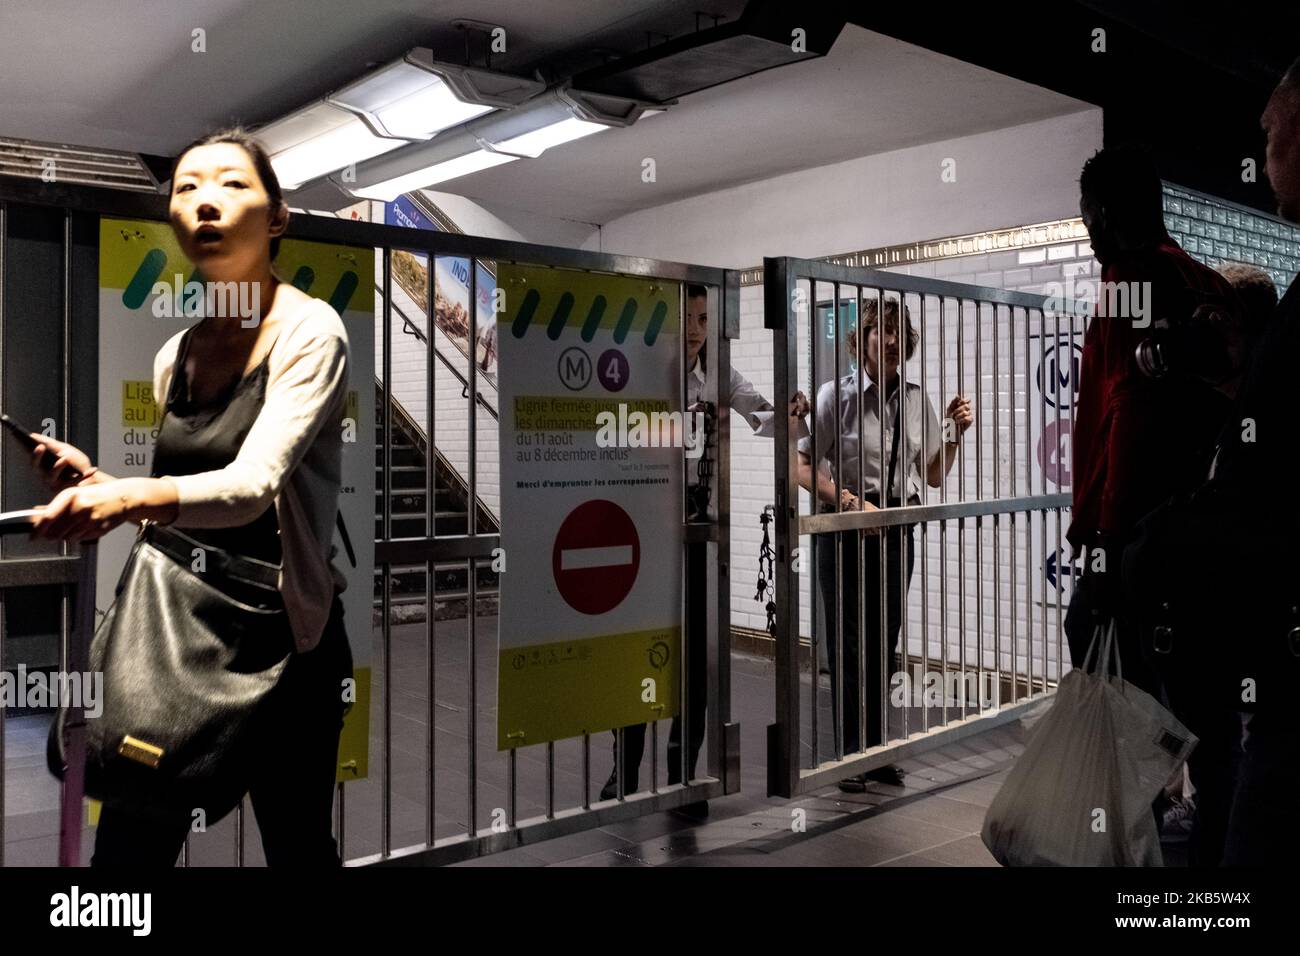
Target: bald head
[[1281, 124]]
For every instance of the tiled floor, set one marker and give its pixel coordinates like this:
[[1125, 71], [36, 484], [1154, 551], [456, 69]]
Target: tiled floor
[[934, 820]]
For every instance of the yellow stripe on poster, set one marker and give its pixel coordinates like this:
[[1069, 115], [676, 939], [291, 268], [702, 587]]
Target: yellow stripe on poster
[[354, 740], [563, 303], [136, 255], [570, 688]]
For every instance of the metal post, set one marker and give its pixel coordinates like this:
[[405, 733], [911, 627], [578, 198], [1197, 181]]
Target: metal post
[[783, 736], [386, 801], [430, 572], [925, 527], [886, 475], [471, 530]]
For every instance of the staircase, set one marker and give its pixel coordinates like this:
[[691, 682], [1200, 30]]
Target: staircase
[[409, 509]]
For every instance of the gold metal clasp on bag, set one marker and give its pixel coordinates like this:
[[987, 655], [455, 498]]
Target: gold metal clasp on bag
[[140, 752]]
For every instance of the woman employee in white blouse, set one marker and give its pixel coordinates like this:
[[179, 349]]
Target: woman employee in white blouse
[[248, 457], [906, 464]]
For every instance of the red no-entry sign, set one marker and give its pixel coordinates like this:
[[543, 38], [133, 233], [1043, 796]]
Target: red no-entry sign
[[596, 556]]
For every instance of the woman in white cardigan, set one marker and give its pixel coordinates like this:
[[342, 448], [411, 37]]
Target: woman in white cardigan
[[248, 459]]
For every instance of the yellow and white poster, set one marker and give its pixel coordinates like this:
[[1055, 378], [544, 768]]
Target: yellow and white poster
[[591, 518], [134, 257]]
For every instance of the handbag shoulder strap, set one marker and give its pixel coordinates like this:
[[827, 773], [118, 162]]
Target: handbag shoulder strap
[[347, 541], [893, 445]]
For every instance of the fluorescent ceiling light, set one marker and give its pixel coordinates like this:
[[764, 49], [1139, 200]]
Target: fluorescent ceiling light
[[389, 189], [408, 101], [553, 134], [318, 140]]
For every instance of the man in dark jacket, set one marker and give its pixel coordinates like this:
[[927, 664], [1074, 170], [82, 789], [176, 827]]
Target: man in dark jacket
[[1138, 439]]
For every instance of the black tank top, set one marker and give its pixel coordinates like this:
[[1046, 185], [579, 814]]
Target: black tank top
[[193, 439]]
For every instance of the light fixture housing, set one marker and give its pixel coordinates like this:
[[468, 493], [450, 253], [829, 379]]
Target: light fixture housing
[[417, 97], [319, 139], [407, 101], [444, 158], [560, 116], [557, 116]]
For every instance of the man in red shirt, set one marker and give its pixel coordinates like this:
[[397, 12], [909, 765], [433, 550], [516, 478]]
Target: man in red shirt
[[1138, 438]]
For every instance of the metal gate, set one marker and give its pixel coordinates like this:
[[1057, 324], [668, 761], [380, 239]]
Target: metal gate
[[990, 516], [374, 822]]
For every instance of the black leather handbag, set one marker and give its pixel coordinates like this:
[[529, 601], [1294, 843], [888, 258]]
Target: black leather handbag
[[188, 657]]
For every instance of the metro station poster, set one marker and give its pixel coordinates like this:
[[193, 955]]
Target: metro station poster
[[591, 596], [136, 255]]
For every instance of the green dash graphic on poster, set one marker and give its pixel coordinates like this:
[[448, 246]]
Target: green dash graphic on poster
[[590, 619], [141, 267]]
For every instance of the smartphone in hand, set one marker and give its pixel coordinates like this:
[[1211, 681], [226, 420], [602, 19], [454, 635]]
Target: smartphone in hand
[[24, 437]]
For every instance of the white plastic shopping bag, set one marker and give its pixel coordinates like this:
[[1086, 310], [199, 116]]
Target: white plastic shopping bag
[[1081, 793]]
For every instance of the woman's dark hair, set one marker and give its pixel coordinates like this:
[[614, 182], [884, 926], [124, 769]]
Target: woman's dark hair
[[256, 152]]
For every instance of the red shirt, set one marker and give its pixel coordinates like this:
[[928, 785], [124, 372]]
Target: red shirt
[[1138, 440]]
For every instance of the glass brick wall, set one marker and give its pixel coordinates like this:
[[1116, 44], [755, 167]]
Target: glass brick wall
[[1215, 232]]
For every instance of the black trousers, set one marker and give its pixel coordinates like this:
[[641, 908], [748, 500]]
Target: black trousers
[[697, 683], [846, 675], [291, 785]]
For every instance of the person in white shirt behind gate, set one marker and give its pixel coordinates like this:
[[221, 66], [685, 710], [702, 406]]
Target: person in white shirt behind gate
[[907, 465], [760, 414]]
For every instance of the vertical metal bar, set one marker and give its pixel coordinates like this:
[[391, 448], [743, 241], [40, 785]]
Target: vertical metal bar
[[683, 552], [1060, 552], [961, 522], [1029, 518], [239, 833], [1011, 517], [780, 314], [430, 572], [512, 788], [943, 525], [997, 549], [720, 605], [185, 852], [550, 780], [65, 403], [817, 612], [925, 527], [886, 476], [654, 755], [386, 799], [1042, 487], [904, 466], [979, 495], [837, 700], [472, 565], [586, 771], [859, 539], [4, 236], [620, 748]]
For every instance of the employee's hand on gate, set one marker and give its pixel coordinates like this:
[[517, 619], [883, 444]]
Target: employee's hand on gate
[[799, 406], [851, 502], [962, 413], [68, 456]]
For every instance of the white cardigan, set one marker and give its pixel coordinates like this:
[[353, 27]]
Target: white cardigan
[[292, 456]]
